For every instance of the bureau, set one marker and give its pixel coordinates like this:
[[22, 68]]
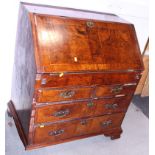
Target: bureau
[[73, 77]]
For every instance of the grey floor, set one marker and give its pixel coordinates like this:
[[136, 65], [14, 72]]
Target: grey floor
[[134, 140]]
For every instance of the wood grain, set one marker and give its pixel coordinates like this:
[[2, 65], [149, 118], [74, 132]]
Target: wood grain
[[103, 45], [84, 79], [51, 95], [77, 127], [73, 78]]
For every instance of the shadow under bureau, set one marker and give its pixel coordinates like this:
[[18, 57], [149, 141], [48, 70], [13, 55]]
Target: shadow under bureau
[[73, 77]]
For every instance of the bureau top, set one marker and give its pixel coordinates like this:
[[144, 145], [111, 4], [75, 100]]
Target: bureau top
[[67, 44]]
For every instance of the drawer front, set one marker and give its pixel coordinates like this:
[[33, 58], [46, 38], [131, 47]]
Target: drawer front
[[60, 131], [62, 80], [102, 91], [54, 132], [98, 124], [53, 95], [103, 123], [64, 111], [113, 105]]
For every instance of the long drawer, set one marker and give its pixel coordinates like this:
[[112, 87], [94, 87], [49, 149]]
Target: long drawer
[[63, 80], [60, 131], [66, 111]]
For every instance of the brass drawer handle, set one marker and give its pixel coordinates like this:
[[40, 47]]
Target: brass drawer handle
[[56, 132], [90, 104], [67, 94], [83, 122], [111, 106], [117, 89], [90, 24], [61, 113], [106, 124]]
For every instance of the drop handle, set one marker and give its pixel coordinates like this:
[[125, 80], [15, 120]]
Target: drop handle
[[61, 113], [90, 24], [83, 122], [117, 89], [56, 132], [106, 124], [111, 106], [67, 94]]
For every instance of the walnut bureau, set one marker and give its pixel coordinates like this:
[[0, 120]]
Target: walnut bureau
[[73, 77]]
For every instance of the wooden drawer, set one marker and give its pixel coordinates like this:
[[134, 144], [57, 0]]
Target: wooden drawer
[[114, 90], [65, 111], [113, 105], [63, 80], [52, 95], [60, 131], [98, 124], [106, 122], [54, 132]]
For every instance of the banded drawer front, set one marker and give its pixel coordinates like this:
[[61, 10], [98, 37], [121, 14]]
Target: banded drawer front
[[54, 132], [53, 95], [63, 80], [66, 111], [60, 131], [113, 105], [102, 91]]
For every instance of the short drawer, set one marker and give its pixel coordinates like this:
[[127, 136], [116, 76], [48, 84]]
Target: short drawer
[[98, 124], [54, 132], [115, 90], [53, 95], [85, 79], [61, 131], [112, 105], [107, 122]]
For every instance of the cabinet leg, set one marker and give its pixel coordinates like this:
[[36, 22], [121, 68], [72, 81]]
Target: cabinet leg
[[114, 134], [115, 137]]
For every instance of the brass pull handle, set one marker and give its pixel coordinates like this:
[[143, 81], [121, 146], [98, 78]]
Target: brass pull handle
[[67, 94], [61, 113], [111, 106], [90, 104], [83, 122], [117, 89], [56, 132], [90, 24], [106, 124]]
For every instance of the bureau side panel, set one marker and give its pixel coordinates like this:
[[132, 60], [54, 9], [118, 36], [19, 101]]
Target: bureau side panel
[[24, 70]]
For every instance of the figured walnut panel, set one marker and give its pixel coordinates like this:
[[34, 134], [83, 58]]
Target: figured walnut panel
[[68, 44], [53, 95], [85, 79], [61, 131], [102, 91], [68, 111]]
